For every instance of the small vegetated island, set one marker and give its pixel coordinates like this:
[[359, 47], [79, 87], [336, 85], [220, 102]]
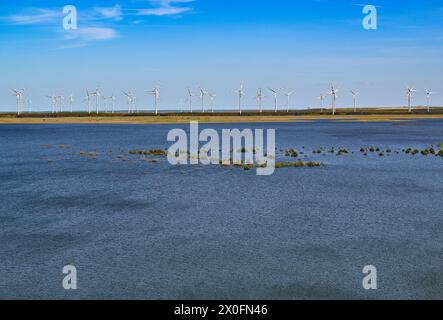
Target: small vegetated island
[[285, 158]]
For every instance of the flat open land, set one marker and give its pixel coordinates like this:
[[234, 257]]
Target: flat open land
[[171, 118]]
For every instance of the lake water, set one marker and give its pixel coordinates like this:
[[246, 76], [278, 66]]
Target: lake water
[[136, 229]]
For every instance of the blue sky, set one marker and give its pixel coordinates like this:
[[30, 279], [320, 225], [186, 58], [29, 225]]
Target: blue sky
[[296, 45]]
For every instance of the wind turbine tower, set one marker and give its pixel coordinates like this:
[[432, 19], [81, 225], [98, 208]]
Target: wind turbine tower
[[288, 97], [409, 92], [275, 92], [105, 103], [88, 100], [202, 99], [97, 95], [241, 94], [354, 97], [113, 102], [322, 98], [70, 101], [53, 103], [190, 95], [428, 99], [131, 101], [333, 94], [30, 104], [156, 94], [212, 97], [19, 97], [260, 97], [60, 100]]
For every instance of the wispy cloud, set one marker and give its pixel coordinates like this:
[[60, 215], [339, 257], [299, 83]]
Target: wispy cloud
[[91, 34], [114, 13], [96, 23], [166, 8], [46, 16], [90, 28], [82, 37], [33, 16]]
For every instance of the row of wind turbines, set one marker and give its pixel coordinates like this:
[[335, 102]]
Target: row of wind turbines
[[109, 102]]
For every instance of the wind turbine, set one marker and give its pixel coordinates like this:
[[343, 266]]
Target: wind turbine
[[428, 99], [354, 97], [333, 94], [60, 100], [105, 102], [156, 94], [409, 93], [321, 97], [70, 101], [97, 95], [288, 97], [53, 103], [19, 96], [275, 92], [133, 102], [212, 97], [190, 99], [241, 94], [130, 100], [30, 104], [202, 99], [113, 102], [88, 99], [259, 98]]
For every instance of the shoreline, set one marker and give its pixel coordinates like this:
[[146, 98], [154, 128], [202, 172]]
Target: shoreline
[[184, 119]]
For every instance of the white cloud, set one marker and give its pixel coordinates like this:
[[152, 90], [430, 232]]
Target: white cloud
[[166, 8], [35, 17], [91, 34], [114, 13], [163, 11]]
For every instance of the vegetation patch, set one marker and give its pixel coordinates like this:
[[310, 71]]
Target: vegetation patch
[[297, 164], [152, 152], [292, 153]]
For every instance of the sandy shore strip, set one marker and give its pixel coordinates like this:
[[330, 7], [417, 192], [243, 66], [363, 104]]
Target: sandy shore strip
[[173, 119]]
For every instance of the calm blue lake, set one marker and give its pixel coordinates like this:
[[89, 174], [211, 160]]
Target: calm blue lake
[[149, 230]]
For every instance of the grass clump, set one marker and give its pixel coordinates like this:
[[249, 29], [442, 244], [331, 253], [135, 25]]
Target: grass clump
[[297, 164], [312, 164], [152, 152], [292, 153], [428, 151]]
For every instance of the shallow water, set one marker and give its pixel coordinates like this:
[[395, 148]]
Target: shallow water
[[147, 230]]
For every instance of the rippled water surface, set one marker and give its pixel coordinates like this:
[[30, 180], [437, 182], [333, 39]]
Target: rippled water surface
[[148, 230]]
